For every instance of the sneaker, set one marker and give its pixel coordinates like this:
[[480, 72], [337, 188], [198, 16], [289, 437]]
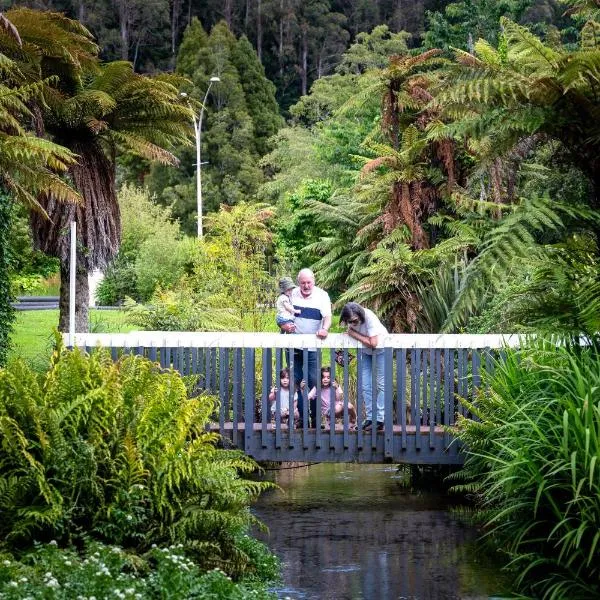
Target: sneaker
[[367, 425]]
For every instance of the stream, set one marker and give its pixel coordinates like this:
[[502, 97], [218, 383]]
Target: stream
[[349, 531]]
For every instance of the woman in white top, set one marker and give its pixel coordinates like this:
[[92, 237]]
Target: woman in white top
[[364, 326]]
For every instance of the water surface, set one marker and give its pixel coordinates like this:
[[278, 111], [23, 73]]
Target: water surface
[[348, 531]]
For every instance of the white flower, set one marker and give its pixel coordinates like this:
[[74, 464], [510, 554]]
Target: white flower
[[6, 563], [52, 543], [129, 518], [68, 563], [23, 580], [13, 584]]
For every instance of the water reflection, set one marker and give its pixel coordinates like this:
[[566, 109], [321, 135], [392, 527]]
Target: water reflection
[[353, 532]]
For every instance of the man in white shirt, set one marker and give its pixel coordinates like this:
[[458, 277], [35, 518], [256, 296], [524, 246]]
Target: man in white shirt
[[314, 318]]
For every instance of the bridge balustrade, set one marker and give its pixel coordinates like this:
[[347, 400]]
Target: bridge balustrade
[[424, 377]]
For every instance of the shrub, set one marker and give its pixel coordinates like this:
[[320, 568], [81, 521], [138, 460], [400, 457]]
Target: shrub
[[152, 252], [533, 463], [118, 452], [101, 571], [181, 309]]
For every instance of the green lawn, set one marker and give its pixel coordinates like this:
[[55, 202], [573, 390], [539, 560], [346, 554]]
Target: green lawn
[[32, 338]]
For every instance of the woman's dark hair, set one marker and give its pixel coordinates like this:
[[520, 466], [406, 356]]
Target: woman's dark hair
[[352, 310], [285, 372]]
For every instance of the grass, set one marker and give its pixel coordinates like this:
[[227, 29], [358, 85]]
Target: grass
[[32, 337]]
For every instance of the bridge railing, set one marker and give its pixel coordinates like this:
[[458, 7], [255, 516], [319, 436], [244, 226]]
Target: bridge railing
[[424, 377]]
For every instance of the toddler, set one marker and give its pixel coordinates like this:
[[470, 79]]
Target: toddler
[[326, 385], [284, 397], [286, 313]]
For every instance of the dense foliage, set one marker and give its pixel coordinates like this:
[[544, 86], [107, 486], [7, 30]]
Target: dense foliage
[[153, 252], [451, 185], [118, 452], [6, 309], [102, 571], [532, 465]]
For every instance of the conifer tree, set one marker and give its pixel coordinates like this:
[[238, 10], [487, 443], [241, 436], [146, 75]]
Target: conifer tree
[[240, 115]]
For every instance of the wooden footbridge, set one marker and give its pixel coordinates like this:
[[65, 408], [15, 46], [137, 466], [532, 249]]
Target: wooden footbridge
[[424, 377]]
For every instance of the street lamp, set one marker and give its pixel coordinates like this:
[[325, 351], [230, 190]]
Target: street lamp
[[198, 132]]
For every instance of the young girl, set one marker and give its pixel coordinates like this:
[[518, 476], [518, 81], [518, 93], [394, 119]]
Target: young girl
[[284, 397], [326, 385]]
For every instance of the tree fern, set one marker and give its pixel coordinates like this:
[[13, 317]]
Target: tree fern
[[513, 238]]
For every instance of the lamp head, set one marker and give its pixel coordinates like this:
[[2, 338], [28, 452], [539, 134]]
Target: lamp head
[[215, 79]]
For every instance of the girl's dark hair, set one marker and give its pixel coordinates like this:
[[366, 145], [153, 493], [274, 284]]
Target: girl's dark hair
[[325, 370], [352, 310], [285, 372]]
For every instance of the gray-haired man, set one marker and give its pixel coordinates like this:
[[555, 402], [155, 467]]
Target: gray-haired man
[[314, 318]]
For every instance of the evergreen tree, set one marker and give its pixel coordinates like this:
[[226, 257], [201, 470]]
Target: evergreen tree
[[239, 117], [259, 93]]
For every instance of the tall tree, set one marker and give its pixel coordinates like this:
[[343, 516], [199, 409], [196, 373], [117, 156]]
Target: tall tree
[[95, 111], [28, 164], [259, 93], [115, 110], [239, 117], [139, 22]]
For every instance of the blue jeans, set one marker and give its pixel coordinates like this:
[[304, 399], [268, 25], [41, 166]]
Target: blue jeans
[[367, 385], [311, 382]]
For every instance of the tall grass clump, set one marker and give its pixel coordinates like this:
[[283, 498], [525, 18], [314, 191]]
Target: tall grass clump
[[533, 466], [116, 452]]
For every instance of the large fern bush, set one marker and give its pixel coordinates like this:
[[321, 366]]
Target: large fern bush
[[533, 464], [118, 452]]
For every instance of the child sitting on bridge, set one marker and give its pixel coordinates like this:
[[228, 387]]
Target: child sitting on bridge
[[284, 397], [326, 385]]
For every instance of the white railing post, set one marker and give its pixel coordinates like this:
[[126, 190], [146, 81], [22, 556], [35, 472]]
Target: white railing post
[[72, 272]]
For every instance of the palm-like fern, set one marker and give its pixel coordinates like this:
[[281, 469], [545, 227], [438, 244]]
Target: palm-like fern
[[401, 184], [94, 111], [503, 242], [115, 110], [28, 164], [525, 87]]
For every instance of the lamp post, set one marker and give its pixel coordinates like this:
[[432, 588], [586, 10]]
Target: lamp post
[[198, 133]]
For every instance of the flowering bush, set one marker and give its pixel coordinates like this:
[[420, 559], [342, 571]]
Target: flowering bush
[[103, 571]]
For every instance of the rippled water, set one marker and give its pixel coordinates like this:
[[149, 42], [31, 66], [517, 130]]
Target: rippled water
[[346, 531]]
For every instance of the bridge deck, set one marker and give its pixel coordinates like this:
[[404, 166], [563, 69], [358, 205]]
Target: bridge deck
[[432, 445]]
